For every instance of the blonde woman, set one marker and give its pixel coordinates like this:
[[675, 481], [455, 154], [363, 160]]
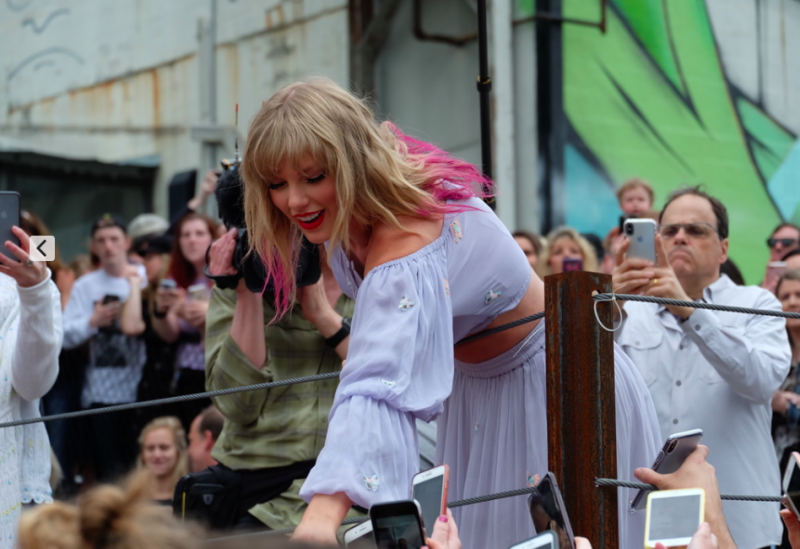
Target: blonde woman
[[428, 264], [162, 453], [567, 243]]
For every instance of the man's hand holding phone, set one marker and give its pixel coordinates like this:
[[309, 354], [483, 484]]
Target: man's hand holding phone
[[695, 472], [640, 277], [105, 314]]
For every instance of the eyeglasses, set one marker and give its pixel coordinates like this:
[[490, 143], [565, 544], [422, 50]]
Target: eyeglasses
[[785, 242], [693, 230]]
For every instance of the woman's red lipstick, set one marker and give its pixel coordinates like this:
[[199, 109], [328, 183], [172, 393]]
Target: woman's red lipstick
[[315, 219]]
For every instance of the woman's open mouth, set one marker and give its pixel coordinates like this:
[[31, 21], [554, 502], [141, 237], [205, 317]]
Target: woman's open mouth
[[310, 221]]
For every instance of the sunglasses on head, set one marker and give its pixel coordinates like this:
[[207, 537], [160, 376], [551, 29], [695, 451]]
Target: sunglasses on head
[[785, 242]]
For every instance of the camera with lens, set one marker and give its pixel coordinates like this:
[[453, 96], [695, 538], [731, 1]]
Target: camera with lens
[[622, 219], [230, 199]]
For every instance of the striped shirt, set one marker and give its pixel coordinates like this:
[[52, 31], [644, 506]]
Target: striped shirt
[[280, 426]]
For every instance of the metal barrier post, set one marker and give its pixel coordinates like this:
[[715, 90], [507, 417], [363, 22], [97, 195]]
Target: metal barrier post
[[581, 413]]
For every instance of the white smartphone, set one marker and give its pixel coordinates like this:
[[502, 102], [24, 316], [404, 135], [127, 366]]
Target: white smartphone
[[429, 488], [167, 284], [360, 536], [198, 292], [545, 540], [676, 449], [791, 484], [673, 517], [642, 234]]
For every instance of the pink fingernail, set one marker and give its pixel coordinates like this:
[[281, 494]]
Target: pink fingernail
[[443, 518]]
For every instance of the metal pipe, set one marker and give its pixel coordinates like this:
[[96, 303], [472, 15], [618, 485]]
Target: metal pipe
[[484, 87]]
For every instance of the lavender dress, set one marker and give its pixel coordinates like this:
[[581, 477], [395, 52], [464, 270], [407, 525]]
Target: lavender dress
[[492, 429]]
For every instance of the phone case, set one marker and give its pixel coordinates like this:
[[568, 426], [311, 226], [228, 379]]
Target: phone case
[[549, 481], [421, 476], [642, 236], [9, 216], [677, 542], [670, 459]]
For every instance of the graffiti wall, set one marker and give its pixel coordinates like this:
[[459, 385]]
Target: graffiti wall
[[685, 92]]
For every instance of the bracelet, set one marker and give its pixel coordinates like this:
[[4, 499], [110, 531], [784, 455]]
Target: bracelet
[[339, 336]]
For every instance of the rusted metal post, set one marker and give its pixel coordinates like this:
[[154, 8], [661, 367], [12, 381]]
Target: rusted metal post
[[581, 413]]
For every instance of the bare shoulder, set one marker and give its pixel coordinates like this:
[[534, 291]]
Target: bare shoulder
[[388, 243]]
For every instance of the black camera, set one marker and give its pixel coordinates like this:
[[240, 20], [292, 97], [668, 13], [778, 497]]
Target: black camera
[[230, 199]]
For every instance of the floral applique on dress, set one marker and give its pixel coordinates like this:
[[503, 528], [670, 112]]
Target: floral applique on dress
[[490, 296], [446, 287], [458, 234], [532, 480], [405, 304], [388, 383], [371, 483]]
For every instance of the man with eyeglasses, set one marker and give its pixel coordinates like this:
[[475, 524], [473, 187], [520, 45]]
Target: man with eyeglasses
[[785, 239], [715, 371]]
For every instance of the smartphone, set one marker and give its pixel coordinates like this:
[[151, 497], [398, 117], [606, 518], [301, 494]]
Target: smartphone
[[9, 217], [198, 292], [676, 449], [775, 270], [791, 485], [110, 298], [360, 536], [168, 284], [429, 488], [397, 524], [549, 513], [545, 540], [571, 264], [642, 235], [673, 517]]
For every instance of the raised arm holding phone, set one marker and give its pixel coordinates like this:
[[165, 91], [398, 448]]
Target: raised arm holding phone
[[710, 370]]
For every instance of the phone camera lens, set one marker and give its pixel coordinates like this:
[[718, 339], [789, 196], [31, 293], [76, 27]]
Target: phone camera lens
[[672, 446], [628, 228]]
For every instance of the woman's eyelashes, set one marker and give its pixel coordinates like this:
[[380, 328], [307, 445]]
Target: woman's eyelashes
[[276, 186]]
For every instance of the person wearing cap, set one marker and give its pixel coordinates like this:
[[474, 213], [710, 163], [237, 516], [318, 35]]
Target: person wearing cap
[[143, 228], [104, 309], [159, 368]]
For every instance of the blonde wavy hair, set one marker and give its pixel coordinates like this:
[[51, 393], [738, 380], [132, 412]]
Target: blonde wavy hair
[[380, 174], [587, 251], [173, 425], [107, 517]]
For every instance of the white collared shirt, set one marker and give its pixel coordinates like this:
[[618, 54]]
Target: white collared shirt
[[717, 371]]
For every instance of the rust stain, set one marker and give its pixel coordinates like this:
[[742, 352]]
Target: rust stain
[[156, 99]]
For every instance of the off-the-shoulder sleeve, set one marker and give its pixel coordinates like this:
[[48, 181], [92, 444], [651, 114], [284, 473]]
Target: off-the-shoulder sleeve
[[399, 368]]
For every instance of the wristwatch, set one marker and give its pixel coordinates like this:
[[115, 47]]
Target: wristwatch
[[339, 336]]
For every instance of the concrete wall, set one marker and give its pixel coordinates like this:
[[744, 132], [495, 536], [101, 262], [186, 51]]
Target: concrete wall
[[119, 81], [429, 90]]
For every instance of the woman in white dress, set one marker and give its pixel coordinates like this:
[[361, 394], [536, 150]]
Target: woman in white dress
[[30, 341]]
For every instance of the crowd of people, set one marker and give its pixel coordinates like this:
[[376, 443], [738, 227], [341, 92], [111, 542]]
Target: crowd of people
[[371, 254]]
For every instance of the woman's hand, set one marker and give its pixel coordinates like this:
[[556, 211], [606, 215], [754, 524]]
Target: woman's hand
[[313, 535], [781, 400], [194, 312], [445, 534], [26, 273], [170, 300], [220, 256]]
